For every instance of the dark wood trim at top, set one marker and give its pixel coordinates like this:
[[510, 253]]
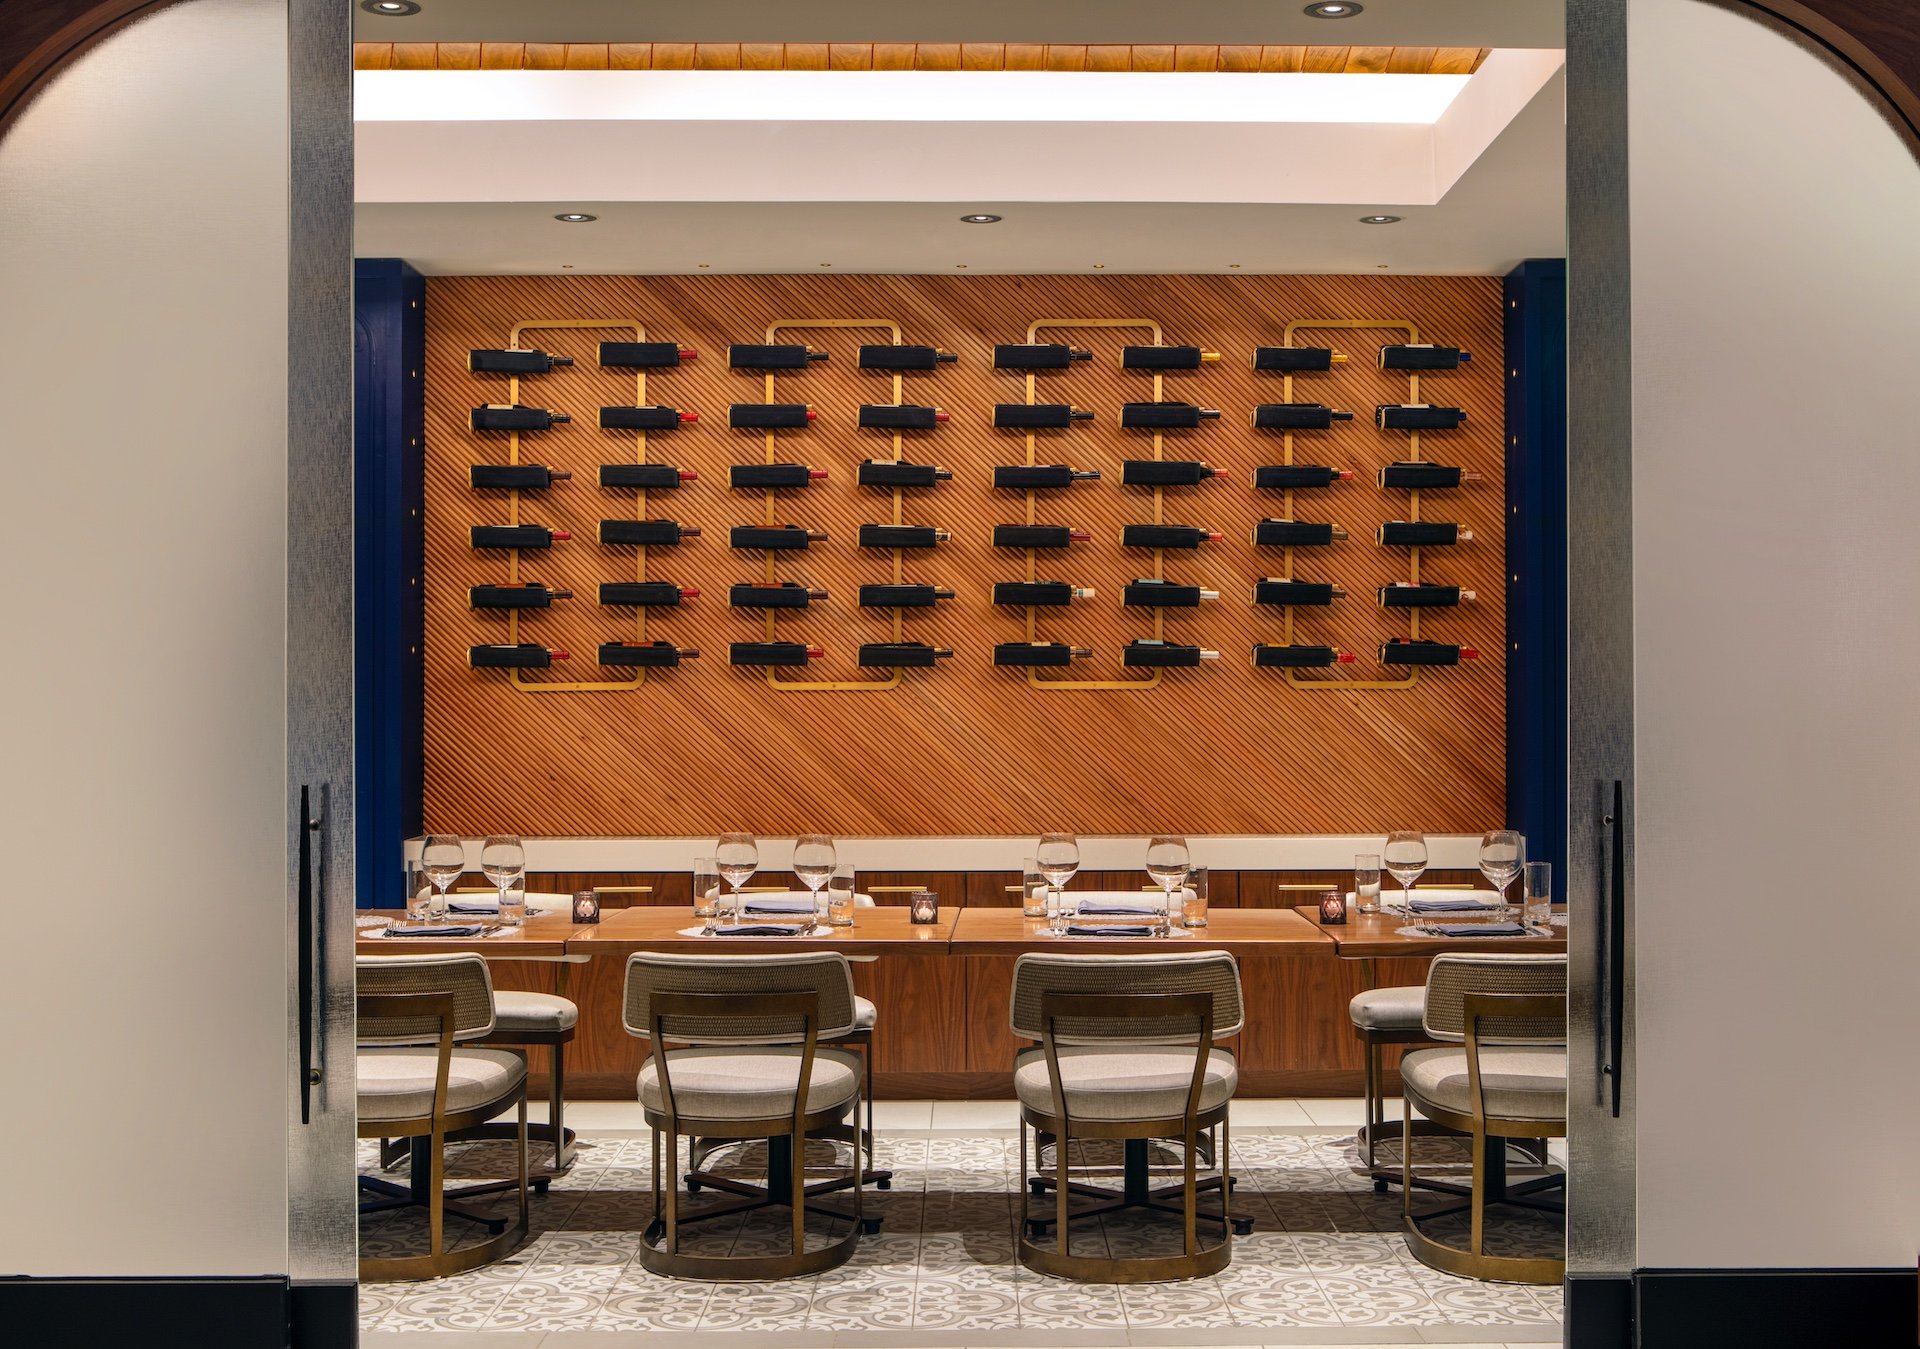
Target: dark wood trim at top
[[40, 37]]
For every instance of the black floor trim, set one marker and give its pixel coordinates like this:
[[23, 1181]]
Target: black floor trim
[[1777, 1308], [325, 1315], [1599, 1312], [89, 1313]]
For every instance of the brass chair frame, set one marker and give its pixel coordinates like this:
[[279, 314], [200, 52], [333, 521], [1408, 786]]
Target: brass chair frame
[[1196, 1260], [1489, 1135], [789, 1190], [432, 1131]]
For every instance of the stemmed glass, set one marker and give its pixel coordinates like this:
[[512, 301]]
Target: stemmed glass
[[1168, 863], [1058, 857], [813, 859], [443, 857], [504, 860], [738, 857], [1406, 858], [1502, 853]]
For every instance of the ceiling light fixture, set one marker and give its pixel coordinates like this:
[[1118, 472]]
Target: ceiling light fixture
[[575, 217], [1379, 219], [390, 9], [1333, 9], [980, 218]]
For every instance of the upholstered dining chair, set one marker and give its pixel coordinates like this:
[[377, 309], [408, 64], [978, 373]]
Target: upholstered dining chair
[[735, 1053], [1501, 1075], [421, 1077], [1126, 1049]]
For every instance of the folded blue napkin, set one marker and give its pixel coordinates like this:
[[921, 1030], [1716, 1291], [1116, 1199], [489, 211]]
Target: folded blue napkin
[[1451, 904], [1109, 930], [473, 906], [1478, 929], [766, 930], [1119, 907], [779, 904], [437, 930]]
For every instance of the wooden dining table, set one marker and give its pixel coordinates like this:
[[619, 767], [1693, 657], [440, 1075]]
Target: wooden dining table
[[885, 930], [1250, 934], [542, 936], [1377, 936]]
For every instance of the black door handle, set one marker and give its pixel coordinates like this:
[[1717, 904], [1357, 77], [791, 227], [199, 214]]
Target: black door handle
[[307, 920], [1613, 951]]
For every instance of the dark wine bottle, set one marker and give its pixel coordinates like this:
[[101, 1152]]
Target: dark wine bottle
[[1037, 356], [773, 595], [1399, 651], [1299, 657], [1418, 474], [532, 595], [769, 416], [1038, 416], [1039, 653], [645, 417], [1422, 356], [774, 475], [902, 596], [647, 477], [901, 655], [1039, 594], [888, 473], [902, 536], [514, 417], [1146, 592], [644, 355], [1165, 358], [513, 656], [515, 477], [1288, 477], [646, 533], [900, 416], [1168, 472], [1296, 417], [512, 361], [516, 536], [1167, 415], [1281, 590], [1159, 654], [1292, 360], [1035, 477], [645, 594], [1416, 417], [772, 356], [1037, 536], [1296, 534], [904, 356], [645, 655], [772, 653], [1166, 536], [1423, 534], [1420, 595], [775, 537]]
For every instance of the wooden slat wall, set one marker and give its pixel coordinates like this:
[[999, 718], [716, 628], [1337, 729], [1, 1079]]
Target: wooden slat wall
[[910, 56], [966, 748]]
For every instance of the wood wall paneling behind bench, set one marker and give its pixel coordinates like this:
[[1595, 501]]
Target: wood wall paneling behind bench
[[968, 747]]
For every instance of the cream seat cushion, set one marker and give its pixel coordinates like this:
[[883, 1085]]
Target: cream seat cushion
[[532, 1012], [1384, 1008], [398, 1083], [748, 1083], [1123, 1082], [1516, 1081]]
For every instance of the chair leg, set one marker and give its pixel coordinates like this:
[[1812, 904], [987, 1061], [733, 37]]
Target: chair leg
[[1060, 1148], [557, 1105], [523, 1161], [1376, 1099], [1192, 1196], [436, 1194], [1477, 1238]]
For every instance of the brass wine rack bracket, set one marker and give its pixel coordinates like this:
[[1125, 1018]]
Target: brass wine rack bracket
[[1413, 396], [1159, 619], [773, 673], [513, 515]]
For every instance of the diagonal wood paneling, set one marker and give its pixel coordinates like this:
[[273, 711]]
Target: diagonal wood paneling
[[966, 748]]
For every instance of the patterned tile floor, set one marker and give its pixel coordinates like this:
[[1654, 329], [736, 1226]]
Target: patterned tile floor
[[1325, 1264]]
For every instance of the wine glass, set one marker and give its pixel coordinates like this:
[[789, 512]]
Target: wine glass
[[1058, 856], [1168, 863], [1502, 853], [443, 857], [738, 857], [813, 859], [504, 860], [1406, 858]]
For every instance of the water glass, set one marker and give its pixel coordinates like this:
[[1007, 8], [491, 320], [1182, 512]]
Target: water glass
[[1193, 913], [513, 902], [419, 894], [842, 896], [1538, 895], [706, 886], [1033, 890], [1366, 881]]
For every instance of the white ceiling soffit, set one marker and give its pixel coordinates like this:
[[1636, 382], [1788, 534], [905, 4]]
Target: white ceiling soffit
[[1382, 23], [804, 136]]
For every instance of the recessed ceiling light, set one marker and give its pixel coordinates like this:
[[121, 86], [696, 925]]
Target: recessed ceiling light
[[961, 266], [1379, 219], [1099, 266], [1334, 9], [575, 217], [1233, 266], [981, 218], [566, 266], [705, 265], [390, 9]]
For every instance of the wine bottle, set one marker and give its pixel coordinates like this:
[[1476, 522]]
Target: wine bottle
[[904, 356], [901, 536], [644, 355], [645, 594], [774, 475], [1160, 654], [1291, 360], [1168, 472], [646, 533], [1287, 477], [1039, 653], [513, 656], [1419, 474], [772, 653], [647, 477], [1423, 534], [1032, 477], [773, 595], [889, 473], [515, 417], [902, 596], [1165, 358], [775, 536], [1299, 657], [772, 356], [515, 477], [512, 361], [1037, 356], [769, 416], [532, 595], [1038, 416], [1296, 417], [1037, 536], [1416, 417], [1146, 592], [516, 536], [1420, 595], [1399, 651], [1039, 594], [1283, 590], [646, 655], [1166, 536], [1166, 415], [644, 417], [1422, 356], [1296, 534], [900, 416], [901, 655]]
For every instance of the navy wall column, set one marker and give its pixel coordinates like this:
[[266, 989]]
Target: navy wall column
[[1535, 308], [389, 416]]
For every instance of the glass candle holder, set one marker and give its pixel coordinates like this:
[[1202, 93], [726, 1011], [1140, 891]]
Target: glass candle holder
[[586, 906], [1033, 890], [706, 886], [1333, 909], [923, 906], [1193, 908]]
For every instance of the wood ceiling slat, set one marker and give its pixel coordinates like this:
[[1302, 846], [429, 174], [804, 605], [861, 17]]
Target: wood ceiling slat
[[457, 56], [893, 56], [587, 56], [1196, 58], [1281, 60], [1110, 58], [1025, 56], [674, 55], [1066, 56], [850, 56], [983, 56], [1368, 60], [415, 55], [546, 55], [716, 56], [1324, 60], [1454, 61], [1152, 58], [937, 56], [1410, 60], [507, 55], [373, 56], [1240, 59]]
